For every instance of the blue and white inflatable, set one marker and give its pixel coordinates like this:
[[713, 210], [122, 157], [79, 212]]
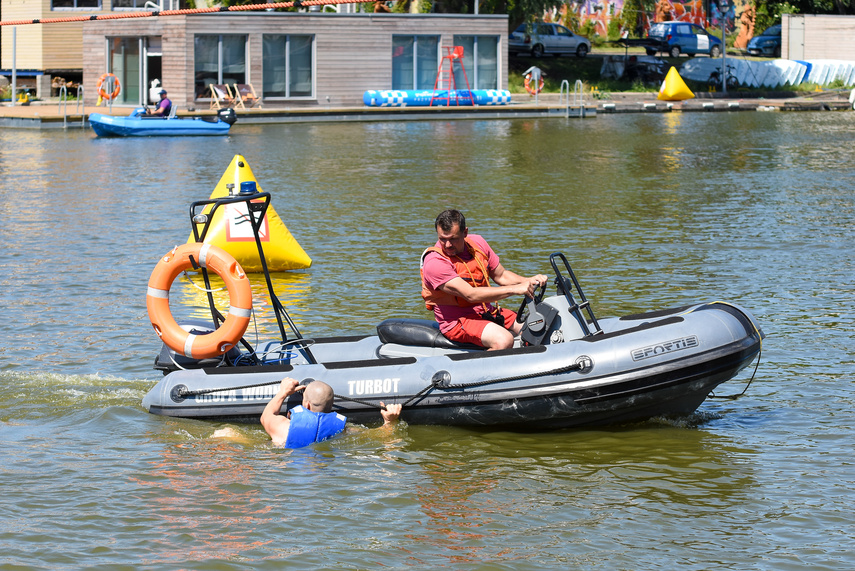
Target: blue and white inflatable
[[773, 73], [441, 97]]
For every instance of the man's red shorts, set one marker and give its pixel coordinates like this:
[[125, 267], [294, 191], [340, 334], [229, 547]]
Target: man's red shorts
[[469, 329]]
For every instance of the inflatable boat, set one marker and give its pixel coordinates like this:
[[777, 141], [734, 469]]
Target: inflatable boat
[[137, 124], [566, 369]]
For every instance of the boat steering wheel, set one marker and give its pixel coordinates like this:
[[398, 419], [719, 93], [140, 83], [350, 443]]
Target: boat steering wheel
[[530, 302]]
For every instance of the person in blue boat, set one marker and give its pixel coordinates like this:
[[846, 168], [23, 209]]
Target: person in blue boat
[[313, 421], [164, 106]]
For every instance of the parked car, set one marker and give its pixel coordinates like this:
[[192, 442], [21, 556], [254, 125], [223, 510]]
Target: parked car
[[677, 38], [766, 44], [545, 39]]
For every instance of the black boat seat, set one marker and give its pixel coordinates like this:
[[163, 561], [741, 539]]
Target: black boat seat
[[417, 332]]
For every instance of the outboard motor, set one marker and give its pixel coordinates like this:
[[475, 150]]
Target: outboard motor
[[227, 115]]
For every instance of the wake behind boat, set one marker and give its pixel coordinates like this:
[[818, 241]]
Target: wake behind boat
[[137, 124], [566, 369]]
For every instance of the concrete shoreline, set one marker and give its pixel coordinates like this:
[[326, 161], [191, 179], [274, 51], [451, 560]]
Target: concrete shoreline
[[49, 115]]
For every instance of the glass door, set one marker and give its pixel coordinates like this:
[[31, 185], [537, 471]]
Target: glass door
[[124, 62]]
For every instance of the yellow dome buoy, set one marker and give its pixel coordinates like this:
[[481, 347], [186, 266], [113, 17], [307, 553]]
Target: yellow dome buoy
[[231, 229], [674, 88]]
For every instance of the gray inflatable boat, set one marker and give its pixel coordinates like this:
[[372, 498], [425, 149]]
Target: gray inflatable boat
[[567, 368]]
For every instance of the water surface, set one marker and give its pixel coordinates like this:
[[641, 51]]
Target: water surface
[[652, 210]]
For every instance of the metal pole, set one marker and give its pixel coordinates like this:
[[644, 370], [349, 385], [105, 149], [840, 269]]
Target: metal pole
[[14, 68], [723, 7]]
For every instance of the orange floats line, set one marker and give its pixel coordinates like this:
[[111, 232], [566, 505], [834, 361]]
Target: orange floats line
[[156, 13]]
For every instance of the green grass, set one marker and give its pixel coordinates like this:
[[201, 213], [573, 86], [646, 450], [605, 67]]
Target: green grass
[[571, 68]]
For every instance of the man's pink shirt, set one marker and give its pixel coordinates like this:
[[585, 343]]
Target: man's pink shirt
[[439, 270]]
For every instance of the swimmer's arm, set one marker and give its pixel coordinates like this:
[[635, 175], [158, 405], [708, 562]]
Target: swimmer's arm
[[274, 423]]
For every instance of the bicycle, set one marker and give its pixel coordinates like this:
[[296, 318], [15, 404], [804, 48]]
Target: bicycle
[[714, 80]]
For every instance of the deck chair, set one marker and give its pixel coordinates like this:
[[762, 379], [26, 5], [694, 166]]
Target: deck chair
[[221, 96], [245, 95]]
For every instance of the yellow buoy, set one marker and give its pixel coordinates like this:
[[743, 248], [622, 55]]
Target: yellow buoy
[[674, 88], [231, 228]]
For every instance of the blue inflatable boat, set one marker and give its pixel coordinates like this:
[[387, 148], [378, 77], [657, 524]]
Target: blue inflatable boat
[[137, 124]]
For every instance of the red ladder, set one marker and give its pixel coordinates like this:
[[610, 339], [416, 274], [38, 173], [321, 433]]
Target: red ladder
[[445, 78]]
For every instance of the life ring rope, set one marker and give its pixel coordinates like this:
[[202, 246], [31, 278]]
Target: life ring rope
[[215, 259], [103, 92]]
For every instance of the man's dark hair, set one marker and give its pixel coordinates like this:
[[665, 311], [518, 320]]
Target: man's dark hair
[[448, 219]]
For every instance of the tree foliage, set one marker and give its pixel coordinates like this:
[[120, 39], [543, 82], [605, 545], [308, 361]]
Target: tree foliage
[[518, 11]]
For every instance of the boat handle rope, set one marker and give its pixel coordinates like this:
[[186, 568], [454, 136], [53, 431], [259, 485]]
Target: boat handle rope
[[439, 381]]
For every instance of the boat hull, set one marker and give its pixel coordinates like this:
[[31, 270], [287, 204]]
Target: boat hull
[[115, 126], [662, 364]]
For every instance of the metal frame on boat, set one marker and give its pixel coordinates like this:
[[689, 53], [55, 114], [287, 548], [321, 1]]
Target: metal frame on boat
[[567, 368]]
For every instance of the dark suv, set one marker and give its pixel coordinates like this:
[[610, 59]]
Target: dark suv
[[677, 38]]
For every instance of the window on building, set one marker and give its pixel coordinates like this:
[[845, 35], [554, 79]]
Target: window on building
[[287, 64], [75, 5], [218, 59], [415, 61], [481, 61], [131, 4]]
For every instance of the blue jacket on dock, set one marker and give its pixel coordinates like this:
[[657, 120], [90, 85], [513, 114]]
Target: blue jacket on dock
[[307, 427]]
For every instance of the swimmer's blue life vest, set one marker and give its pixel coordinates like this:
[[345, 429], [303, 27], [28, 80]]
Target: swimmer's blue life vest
[[307, 427]]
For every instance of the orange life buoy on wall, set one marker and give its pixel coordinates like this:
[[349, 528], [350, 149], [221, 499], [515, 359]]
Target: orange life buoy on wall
[[103, 93], [240, 300], [532, 89]]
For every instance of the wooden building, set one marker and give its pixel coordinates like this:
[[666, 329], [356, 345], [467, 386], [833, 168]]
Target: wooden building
[[292, 59], [812, 37], [54, 50]]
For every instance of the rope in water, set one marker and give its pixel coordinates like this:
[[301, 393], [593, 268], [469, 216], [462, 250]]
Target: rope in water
[[156, 13]]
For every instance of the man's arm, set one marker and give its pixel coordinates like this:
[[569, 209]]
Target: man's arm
[[391, 413], [504, 276], [509, 284], [275, 424]]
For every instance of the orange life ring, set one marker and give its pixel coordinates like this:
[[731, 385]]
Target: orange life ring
[[240, 300], [530, 88], [103, 93]]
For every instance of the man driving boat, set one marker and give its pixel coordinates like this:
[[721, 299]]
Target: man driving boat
[[456, 274]]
